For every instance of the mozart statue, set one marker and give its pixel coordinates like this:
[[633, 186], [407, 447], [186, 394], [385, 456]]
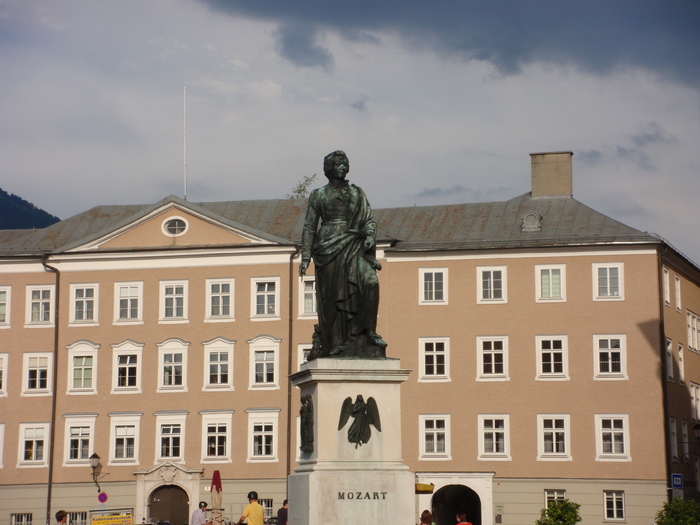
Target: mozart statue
[[343, 250]]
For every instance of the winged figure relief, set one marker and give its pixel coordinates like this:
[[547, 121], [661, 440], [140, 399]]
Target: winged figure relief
[[364, 415]]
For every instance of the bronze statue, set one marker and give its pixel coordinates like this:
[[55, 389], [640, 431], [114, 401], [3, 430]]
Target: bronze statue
[[344, 255], [307, 423], [364, 415]]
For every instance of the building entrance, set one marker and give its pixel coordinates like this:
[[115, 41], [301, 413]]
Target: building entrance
[[169, 504], [451, 499]]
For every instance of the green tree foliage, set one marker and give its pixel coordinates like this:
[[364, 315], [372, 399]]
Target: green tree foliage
[[301, 189], [18, 214], [679, 512], [560, 512]]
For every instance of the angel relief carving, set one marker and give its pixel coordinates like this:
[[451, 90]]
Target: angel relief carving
[[364, 415]]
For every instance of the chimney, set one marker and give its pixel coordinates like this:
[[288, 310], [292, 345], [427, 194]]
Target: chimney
[[552, 174]]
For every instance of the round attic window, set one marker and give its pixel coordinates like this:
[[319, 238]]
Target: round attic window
[[175, 226]]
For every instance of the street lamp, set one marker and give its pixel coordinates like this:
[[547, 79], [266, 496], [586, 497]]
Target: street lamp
[[95, 460]]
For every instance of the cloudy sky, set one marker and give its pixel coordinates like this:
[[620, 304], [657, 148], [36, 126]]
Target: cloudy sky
[[434, 102]]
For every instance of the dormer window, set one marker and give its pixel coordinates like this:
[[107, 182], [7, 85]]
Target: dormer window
[[174, 226]]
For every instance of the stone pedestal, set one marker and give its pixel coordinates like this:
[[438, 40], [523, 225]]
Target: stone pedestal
[[340, 482]]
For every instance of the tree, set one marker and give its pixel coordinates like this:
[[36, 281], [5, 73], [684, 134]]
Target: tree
[[679, 511], [301, 189], [560, 512]]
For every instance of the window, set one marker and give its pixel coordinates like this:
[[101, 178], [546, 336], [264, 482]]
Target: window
[[553, 437], [303, 352], [82, 371], [432, 286], [608, 281], [667, 287], [551, 282], [613, 437], [491, 284], [218, 366], [492, 358], [78, 518], [669, 359], [126, 367], [33, 444], [693, 331], [268, 507], [678, 293], [695, 401], [684, 441], [494, 437], [84, 303], [37, 372], [22, 518], [171, 435], [435, 359], [5, 306], [681, 365], [80, 430], [128, 302], [307, 297], [124, 437], [174, 226], [219, 300], [264, 362], [172, 358], [216, 427], [610, 356], [673, 438], [262, 434], [173, 301], [265, 302], [3, 374], [614, 505], [40, 305], [435, 437], [551, 495], [552, 357]]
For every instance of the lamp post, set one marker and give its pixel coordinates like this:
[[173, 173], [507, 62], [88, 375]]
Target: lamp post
[[94, 461]]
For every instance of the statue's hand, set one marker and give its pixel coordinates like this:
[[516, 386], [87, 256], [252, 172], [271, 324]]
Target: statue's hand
[[369, 243], [302, 268]]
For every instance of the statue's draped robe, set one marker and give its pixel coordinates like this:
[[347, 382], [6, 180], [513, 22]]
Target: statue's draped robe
[[347, 289]]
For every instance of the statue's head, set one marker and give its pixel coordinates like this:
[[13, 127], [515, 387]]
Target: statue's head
[[329, 161]]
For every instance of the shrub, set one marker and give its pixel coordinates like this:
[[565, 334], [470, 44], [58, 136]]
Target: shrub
[[679, 511], [560, 512]]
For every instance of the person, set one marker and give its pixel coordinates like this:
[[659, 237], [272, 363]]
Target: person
[[343, 251], [253, 511], [282, 514], [426, 518], [61, 517], [198, 516], [462, 518]]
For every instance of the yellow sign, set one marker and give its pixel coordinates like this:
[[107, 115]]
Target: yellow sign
[[117, 519]]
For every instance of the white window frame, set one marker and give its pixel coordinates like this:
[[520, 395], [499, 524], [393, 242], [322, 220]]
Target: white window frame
[[178, 417], [263, 416], [303, 313], [139, 306], [217, 417], [209, 294], [254, 316], [678, 293], [173, 319], [494, 456], [172, 347], [667, 286], [51, 288], [543, 455], [695, 401], [78, 421], [551, 495], [539, 268], [303, 350], [422, 276], [4, 374], [480, 284], [124, 419], [621, 284], [424, 455], [264, 343], [219, 345], [681, 365], [684, 441], [622, 374], [423, 354], [673, 437], [618, 496], [552, 376], [669, 360], [480, 374], [26, 463], [74, 287], [164, 226], [82, 348], [601, 455], [8, 306], [693, 326], [2, 445], [127, 348], [26, 362]]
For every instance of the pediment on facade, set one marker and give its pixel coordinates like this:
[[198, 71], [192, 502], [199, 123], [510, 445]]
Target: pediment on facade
[[169, 473]]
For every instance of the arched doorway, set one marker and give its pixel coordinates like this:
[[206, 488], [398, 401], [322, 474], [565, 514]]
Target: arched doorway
[[169, 504], [451, 499]]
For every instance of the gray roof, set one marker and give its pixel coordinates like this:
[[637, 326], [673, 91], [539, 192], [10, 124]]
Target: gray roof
[[563, 222]]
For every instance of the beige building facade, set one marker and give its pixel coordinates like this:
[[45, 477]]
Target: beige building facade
[[554, 354]]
